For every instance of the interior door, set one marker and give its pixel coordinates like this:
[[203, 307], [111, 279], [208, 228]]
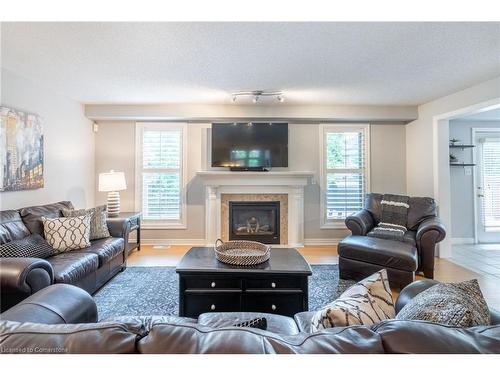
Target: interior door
[[488, 186]]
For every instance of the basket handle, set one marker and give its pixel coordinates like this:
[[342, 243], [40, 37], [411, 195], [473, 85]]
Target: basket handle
[[216, 243]]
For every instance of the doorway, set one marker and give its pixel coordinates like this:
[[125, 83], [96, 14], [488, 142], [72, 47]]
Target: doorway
[[487, 185]]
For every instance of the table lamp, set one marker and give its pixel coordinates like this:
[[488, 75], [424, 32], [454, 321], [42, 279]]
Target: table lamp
[[112, 182]]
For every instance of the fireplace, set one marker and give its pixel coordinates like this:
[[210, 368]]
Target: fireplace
[[255, 221]]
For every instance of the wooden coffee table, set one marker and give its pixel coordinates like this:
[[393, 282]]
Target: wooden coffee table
[[278, 286]]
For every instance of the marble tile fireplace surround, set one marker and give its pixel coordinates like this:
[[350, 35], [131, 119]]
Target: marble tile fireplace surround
[[223, 187]]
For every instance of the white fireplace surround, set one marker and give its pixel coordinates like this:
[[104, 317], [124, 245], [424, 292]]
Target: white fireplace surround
[[226, 182]]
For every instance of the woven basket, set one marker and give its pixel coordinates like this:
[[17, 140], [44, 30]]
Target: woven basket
[[241, 253]]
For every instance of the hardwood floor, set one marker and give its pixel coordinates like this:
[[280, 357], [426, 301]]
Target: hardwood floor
[[445, 271]]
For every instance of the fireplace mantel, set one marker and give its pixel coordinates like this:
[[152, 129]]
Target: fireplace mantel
[[274, 182]]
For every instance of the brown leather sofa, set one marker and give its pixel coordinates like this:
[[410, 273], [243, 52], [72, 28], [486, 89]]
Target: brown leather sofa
[[88, 268], [63, 319], [361, 255]]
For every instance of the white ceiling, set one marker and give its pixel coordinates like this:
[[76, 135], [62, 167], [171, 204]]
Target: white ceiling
[[320, 63]]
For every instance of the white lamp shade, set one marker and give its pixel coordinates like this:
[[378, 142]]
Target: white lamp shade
[[112, 181]]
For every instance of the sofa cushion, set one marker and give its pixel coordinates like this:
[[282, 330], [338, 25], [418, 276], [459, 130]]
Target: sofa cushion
[[105, 248], [186, 338], [420, 337], [67, 233], [386, 253], [11, 226], [98, 215], [421, 208], [73, 266], [85, 338], [32, 216], [365, 303], [456, 304], [32, 246], [280, 324]]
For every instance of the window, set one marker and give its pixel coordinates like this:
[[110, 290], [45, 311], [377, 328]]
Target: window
[[160, 174], [344, 174], [490, 174]]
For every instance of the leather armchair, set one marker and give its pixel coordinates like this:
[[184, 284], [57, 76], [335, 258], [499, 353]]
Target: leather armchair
[[22, 277], [425, 230]]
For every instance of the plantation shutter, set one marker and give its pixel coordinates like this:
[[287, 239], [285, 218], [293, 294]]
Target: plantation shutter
[[345, 173], [161, 174], [491, 184]]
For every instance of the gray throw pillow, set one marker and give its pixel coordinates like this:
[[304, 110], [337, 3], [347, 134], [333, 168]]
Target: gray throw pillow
[[455, 304], [98, 216], [32, 246]]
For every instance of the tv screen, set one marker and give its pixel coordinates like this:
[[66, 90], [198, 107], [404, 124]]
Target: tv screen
[[250, 145]]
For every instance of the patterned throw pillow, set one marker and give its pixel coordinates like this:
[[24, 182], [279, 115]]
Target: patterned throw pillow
[[455, 304], [365, 303], [67, 233], [98, 225], [260, 323], [32, 246]]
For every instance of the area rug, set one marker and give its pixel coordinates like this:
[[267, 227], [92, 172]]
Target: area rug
[[154, 291]]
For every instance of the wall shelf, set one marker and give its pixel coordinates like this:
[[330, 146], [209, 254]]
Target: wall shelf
[[462, 165], [462, 146]]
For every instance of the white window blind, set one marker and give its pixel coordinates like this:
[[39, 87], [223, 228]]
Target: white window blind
[[161, 173], [491, 184], [344, 171]]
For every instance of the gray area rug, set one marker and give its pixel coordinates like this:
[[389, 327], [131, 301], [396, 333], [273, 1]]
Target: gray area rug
[[154, 291]]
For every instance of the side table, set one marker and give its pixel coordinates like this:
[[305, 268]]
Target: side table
[[134, 218]]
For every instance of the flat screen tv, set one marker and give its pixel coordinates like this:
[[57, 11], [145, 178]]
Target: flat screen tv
[[251, 145]]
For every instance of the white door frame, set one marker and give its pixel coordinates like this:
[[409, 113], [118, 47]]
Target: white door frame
[[474, 177], [441, 163]]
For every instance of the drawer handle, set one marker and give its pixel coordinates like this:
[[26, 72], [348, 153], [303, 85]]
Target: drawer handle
[[273, 307], [273, 285], [212, 307], [213, 284]]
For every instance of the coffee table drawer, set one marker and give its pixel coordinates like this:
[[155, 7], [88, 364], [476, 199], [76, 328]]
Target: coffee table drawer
[[274, 283], [275, 303], [212, 283], [199, 303]]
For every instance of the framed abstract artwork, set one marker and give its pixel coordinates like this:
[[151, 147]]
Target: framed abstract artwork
[[21, 150]]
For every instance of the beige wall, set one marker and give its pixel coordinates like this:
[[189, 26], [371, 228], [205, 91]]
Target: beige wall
[[69, 145], [115, 149]]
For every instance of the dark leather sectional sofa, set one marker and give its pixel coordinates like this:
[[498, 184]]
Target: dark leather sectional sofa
[[88, 268], [62, 319]]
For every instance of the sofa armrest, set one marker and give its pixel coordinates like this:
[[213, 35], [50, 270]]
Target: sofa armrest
[[118, 227], [410, 291], [429, 233], [56, 304], [431, 224], [22, 277], [360, 223]]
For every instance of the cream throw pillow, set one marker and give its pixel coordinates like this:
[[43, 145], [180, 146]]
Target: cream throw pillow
[[67, 233], [365, 303]]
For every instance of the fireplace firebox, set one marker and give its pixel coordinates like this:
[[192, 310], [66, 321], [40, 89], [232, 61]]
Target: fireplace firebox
[[255, 221]]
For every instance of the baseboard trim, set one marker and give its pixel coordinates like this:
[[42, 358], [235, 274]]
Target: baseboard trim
[[174, 241], [462, 241], [203, 242], [322, 241]]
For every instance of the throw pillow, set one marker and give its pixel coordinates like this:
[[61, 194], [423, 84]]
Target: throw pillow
[[456, 304], [32, 246], [67, 233], [98, 225], [365, 303], [260, 323]]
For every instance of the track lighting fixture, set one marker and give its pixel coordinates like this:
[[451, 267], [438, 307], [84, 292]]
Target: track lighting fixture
[[257, 94]]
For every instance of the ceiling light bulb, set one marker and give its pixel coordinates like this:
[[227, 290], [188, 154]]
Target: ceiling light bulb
[[281, 99], [255, 98]]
